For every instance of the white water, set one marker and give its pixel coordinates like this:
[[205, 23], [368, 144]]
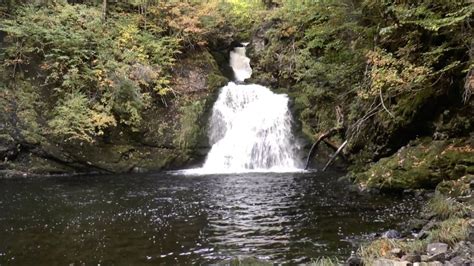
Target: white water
[[240, 63], [250, 127]]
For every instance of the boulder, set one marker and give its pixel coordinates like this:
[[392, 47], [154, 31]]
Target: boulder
[[354, 260], [396, 252], [391, 234], [411, 257], [436, 248], [437, 257], [387, 262], [435, 263]]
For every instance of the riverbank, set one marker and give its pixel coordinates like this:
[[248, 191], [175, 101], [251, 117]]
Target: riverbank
[[443, 234]]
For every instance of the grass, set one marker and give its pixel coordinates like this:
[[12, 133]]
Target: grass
[[445, 207], [450, 231], [381, 248], [376, 249], [325, 261]]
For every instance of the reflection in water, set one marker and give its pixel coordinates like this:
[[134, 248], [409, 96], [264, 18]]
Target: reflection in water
[[171, 219]]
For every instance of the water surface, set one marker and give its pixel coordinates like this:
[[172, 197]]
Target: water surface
[[175, 219]]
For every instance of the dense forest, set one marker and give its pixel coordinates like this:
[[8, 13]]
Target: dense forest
[[117, 87]]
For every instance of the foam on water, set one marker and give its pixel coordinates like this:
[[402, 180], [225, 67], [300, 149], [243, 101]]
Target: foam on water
[[250, 127]]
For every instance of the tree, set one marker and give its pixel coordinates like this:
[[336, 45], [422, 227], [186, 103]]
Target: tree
[[104, 10]]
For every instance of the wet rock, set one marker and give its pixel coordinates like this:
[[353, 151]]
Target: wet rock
[[422, 235], [354, 260], [390, 234], [436, 248], [411, 257], [458, 260], [436, 257], [435, 263], [463, 251], [417, 224], [426, 228], [396, 252], [139, 170], [430, 225], [387, 262], [259, 40], [420, 264]]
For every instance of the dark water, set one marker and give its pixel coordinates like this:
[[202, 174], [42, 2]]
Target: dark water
[[174, 219]]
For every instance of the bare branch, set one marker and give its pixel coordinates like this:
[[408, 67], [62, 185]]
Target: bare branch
[[383, 104]]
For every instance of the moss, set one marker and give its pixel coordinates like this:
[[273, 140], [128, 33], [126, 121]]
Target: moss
[[215, 81], [125, 158], [409, 107], [6, 139], [39, 165], [191, 128], [421, 165]]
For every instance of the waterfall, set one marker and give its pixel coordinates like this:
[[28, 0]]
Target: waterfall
[[240, 63], [250, 127]]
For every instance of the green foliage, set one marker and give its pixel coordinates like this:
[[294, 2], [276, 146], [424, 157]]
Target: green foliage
[[108, 72], [75, 120], [127, 102], [242, 15], [386, 63]]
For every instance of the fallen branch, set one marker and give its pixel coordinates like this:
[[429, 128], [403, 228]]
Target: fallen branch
[[334, 147], [335, 155], [321, 138], [383, 104]]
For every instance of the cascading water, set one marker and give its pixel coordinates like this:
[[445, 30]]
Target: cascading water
[[240, 64], [250, 127]]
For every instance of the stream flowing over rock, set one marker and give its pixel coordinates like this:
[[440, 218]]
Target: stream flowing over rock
[[250, 126]]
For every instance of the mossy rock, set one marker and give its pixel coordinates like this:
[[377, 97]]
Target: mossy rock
[[456, 188], [125, 158], [421, 164]]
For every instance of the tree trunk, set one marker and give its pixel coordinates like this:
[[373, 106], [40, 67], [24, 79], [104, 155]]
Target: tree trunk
[[104, 10]]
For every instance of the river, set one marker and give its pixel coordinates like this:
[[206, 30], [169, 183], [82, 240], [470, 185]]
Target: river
[[169, 218]]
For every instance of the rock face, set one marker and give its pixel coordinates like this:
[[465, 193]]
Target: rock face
[[421, 164], [170, 136]]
